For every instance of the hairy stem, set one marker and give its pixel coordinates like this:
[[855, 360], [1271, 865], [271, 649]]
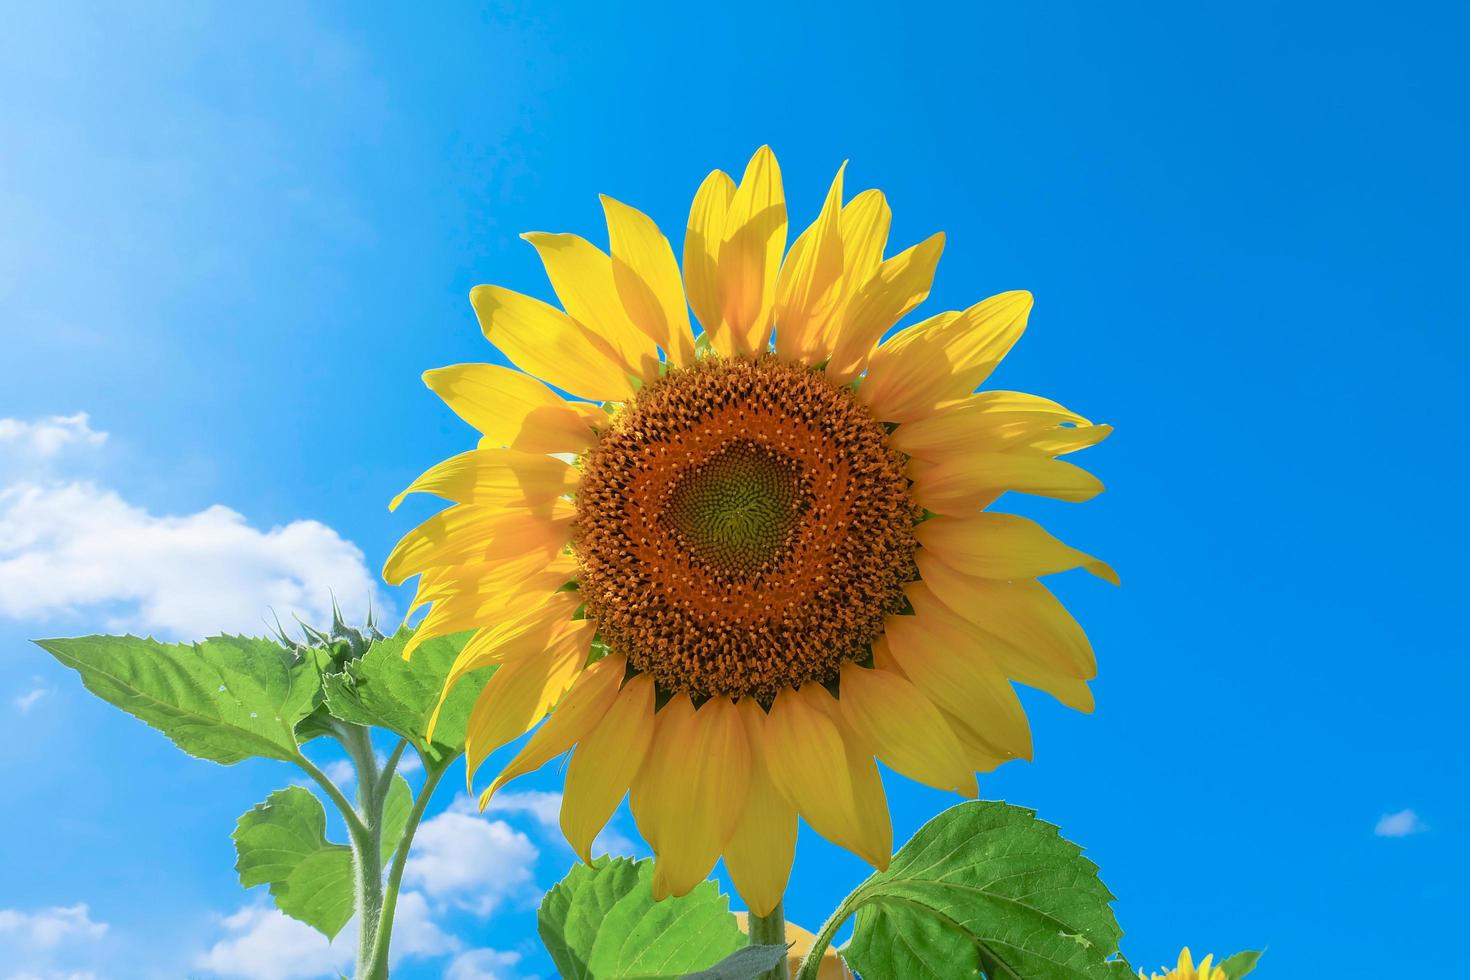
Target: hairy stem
[[770, 930], [355, 826], [812, 962], [367, 856], [376, 967]]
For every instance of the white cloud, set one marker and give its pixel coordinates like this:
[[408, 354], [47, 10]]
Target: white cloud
[[414, 930], [469, 861], [48, 437], [1400, 824], [77, 545], [47, 928], [545, 808], [72, 545], [54, 975], [28, 700], [265, 944], [340, 772], [482, 964]]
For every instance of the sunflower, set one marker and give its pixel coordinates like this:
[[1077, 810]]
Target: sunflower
[[732, 570], [1186, 970]]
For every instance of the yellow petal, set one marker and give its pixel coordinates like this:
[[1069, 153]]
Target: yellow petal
[[483, 533], [647, 278], [865, 222], [495, 476], [982, 422], [523, 637], [702, 241], [460, 611], [544, 341], [962, 482], [519, 695], [810, 283], [761, 850], [937, 652], [705, 795], [943, 358], [809, 765], [904, 729], [577, 714], [1004, 546], [604, 764], [900, 284], [750, 257], [1021, 613], [487, 582], [582, 275], [875, 831], [649, 796], [1060, 440], [513, 409], [1027, 653]]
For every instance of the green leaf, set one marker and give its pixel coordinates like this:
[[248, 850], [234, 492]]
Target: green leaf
[[283, 843], [743, 964], [395, 815], [383, 690], [1241, 963], [986, 886], [225, 699], [601, 923]]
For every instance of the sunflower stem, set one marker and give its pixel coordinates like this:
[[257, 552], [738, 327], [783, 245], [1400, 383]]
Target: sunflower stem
[[812, 962], [770, 930], [377, 964]]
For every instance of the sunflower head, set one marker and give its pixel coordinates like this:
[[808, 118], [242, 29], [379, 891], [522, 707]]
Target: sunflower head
[[730, 571], [1186, 970]]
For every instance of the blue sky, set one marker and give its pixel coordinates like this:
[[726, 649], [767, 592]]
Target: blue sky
[[235, 238]]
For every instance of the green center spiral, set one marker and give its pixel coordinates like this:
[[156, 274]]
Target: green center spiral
[[735, 511]]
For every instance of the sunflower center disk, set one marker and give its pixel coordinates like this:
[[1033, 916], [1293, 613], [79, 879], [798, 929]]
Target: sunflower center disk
[[743, 527], [734, 513]]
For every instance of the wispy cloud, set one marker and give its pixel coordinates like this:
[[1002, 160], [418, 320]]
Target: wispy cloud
[[482, 964], [1400, 824], [27, 701], [45, 438], [50, 927]]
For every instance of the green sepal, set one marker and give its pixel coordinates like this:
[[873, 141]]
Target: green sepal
[[382, 690]]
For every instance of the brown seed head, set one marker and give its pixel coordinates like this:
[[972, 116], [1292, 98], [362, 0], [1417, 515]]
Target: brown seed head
[[743, 526]]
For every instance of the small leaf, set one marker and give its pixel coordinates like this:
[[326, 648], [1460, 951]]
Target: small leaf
[[395, 815], [225, 699], [383, 690], [601, 923], [986, 886], [1241, 963], [283, 843], [743, 964]]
